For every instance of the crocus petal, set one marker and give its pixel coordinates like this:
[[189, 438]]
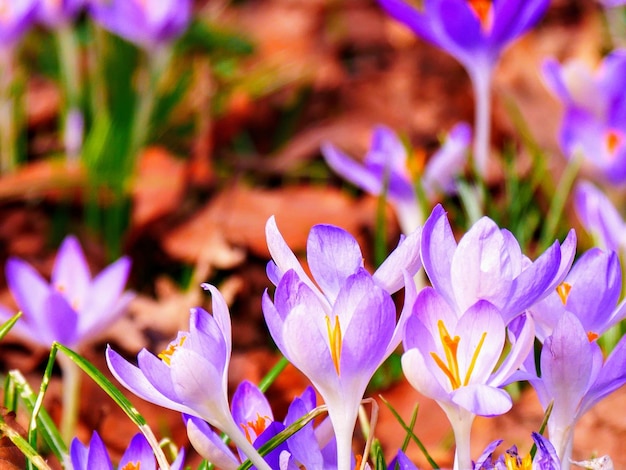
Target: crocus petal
[[98, 458], [406, 257], [520, 350], [333, 255], [418, 373], [248, 405], [71, 270], [59, 321], [221, 315], [78, 454], [132, 378], [209, 445], [482, 400], [350, 170], [28, 287], [139, 451]]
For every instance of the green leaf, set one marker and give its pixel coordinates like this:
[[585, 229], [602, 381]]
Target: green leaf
[[7, 325], [22, 444]]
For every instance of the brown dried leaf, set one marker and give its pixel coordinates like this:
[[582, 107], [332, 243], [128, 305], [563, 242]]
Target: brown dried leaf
[[10, 456]]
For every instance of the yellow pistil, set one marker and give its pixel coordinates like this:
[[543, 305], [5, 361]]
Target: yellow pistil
[[257, 426], [613, 140], [334, 336], [167, 353], [514, 462], [482, 9], [563, 289], [132, 466], [451, 366]]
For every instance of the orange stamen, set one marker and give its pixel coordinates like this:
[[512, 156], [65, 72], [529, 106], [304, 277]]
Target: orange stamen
[[257, 426], [474, 359], [591, 336], [167, 353], [613, 140], [563, 289], [132, 466], [482, 9], [415, 163], [334, 336]]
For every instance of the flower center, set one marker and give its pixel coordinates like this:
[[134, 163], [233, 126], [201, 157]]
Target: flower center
[[451, 365], [167, 353], [334, 337], [483, 9], [563, 289], [512, 461], [257, 427], [613, 140], [592, 336], [132, 466]]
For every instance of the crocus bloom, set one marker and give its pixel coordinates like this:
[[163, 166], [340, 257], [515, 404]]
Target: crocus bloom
[[73, 307], [146, 23], [178, 377], [452, 359], [574, 376], [337, 334], [387, 167], [599, 217], [16, 16], [488, 264], [590, 291], [475, 32], [594, 124], [137, 455], [545, 458], [54, 13]]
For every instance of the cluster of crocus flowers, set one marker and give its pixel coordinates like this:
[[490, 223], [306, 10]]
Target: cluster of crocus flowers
[[387, 168], [475, 32], [338, 329], [137, 456], [594, 121]]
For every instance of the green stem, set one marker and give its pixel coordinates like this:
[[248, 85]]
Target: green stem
[[8, 133]]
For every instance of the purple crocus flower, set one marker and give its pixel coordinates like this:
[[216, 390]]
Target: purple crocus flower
[[599, 217], [575, 376], [545, 458], [594, 124], [137, 455], [339, 333], [401, 462], [73, 307], [454, 360], [16, 17], [55, 13], [475, 32], [178, 377], [149, 24], [488, 264], [386, 166], [590, 291]]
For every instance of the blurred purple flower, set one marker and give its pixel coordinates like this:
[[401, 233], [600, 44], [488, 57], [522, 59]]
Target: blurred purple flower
[[149, 24], [401, 462], [337, 334], [16, 17], [594, 124], [590, 291], [600, 217], [475, 32], [574, 376], [178, 377], [387, 159], [73, 307], [54, 13], [137, 455], [487, 264], [457, 361]]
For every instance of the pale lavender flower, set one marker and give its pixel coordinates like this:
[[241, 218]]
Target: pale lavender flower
[[55, 13], [590, 291], [137, 455], [457, 360], [337, 334], [574, 376], [594, 124], [487, 264], [545, 458], [386, 166], [149, 24], [73, 307], [599, 217], [178, 377]]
